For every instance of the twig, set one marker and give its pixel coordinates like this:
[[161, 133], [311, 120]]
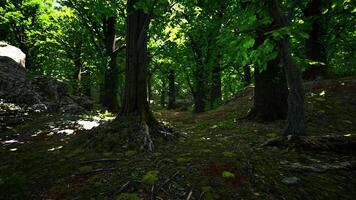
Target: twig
[[190, 194], [100, 160], [167, 181], [120, 189], [94, 171]]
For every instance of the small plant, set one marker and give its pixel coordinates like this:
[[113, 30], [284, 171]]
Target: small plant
[[227, 174], [150, 177]]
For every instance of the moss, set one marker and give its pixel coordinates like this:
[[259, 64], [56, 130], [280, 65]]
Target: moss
[[128, 196], [150, 177], [227, 174]]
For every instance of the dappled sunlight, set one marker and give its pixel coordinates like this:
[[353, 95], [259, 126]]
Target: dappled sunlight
[[55, 148]]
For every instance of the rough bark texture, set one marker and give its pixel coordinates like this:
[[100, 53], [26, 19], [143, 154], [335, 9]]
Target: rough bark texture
[[172, 89], [135, 94], [270, 92], [314, 47], [295, 119]]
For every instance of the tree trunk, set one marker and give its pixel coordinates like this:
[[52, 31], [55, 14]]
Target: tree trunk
[[135, 92], [315, 50], [295, 119], [200, 89], [172, 90], [215, 93], [77, 77], [109, 98], [270, 92], [163, 93]]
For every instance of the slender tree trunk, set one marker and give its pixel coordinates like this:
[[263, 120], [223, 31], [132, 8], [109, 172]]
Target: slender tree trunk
[[77, 77], [295, 120], [314, 47], [270, 92], [163, 93], [172, 89]]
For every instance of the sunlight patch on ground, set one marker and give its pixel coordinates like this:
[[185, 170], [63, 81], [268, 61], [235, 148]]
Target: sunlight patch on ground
[[55, 148], [88, 125], [66, 131], [11, 142]]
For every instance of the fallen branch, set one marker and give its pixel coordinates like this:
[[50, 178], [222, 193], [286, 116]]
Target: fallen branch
[[345, 143]]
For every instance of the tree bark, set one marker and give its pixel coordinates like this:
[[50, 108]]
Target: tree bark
[[314, 47], [135, 92], [172, 90], [295, 119]]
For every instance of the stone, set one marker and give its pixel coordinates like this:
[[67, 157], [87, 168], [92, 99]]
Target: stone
[[290, 180], [12, 52]]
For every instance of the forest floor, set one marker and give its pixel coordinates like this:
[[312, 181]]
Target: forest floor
[[215, 157]]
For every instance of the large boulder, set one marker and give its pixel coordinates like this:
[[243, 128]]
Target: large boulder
[[14, 85], [39, 92], [12, 52]]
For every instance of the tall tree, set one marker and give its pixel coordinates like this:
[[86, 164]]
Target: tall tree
[[295, 119]]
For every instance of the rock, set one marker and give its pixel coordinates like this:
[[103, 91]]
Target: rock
[[38, 93], [15, 86], [12, 52], [290, 180]]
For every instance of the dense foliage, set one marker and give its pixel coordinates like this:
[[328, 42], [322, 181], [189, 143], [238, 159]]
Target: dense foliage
[[200, 51]]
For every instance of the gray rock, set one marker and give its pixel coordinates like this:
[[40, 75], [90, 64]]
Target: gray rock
[[12, 52]]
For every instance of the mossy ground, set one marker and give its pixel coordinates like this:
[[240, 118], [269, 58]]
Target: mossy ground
[[214, 158]]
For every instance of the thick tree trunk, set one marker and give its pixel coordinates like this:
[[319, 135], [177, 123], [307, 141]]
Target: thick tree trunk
[[171, 89], [109, 98], [215, 93], [315, 50], [295, 119], [270, 92], [135, 92]]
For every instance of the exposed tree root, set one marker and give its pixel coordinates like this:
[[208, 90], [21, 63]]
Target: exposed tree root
[[130, 132], [320, 143]]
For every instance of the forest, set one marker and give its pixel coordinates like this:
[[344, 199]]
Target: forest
[[177, 99]]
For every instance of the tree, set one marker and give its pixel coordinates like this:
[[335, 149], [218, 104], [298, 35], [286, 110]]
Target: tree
[[295, 119], [102, 21], [28, 23]]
